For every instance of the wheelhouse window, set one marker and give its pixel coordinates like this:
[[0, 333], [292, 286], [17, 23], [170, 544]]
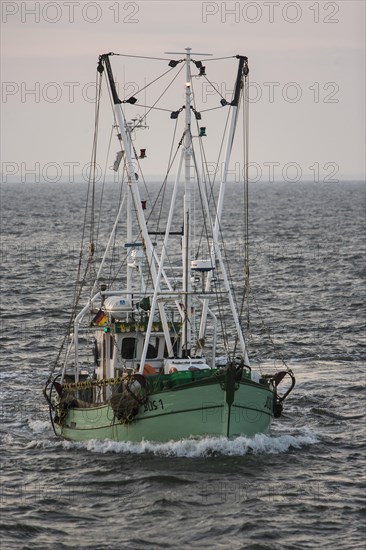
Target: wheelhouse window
[[111, 346], [129, 346], [176, 344], [153, 349]]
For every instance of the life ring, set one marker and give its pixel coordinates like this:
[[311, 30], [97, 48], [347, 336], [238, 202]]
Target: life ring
[[148, 370]]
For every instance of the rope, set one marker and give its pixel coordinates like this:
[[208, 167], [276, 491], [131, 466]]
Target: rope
[[266, 329], [161, 95], [152, 82], [103, 187], [80, 281], [216, 90], [143, 57], [219, 296]]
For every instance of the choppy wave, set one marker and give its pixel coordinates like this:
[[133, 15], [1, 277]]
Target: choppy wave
[[307, 278]]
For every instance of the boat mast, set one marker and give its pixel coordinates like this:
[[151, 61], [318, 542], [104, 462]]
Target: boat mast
[[186, 249], [128, 212]]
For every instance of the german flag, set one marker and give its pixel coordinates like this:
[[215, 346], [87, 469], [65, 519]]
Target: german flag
[[100, 319]]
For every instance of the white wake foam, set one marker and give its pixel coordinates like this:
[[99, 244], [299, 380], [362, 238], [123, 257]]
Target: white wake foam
[[39, 426], [203, 447]]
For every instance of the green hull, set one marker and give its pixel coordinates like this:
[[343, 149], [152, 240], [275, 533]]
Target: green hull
[[202, 409]]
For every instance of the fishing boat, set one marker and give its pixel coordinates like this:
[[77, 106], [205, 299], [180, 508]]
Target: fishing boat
[[157, 351]]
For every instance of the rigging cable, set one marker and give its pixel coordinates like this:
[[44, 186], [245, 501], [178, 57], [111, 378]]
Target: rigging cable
[[152, 82], [80, 281], [224, 248], [110, 280], [142, 57], [219, 296], [162, 189], [268, 332], [206, 215], [103, 187], [161, 95]]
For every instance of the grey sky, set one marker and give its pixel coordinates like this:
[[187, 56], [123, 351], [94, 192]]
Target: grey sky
[[307, 63]]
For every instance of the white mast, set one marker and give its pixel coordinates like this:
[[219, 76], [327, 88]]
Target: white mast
[[187, 222], [128, 210], [186, 253]]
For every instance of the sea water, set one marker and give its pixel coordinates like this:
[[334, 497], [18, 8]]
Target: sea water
[[299, 487]]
